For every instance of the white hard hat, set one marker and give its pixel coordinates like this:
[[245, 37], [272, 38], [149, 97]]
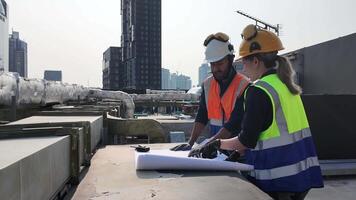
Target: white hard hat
[[217, 50]]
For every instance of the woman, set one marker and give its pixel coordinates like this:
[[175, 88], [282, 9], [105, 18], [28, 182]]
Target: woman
[[275, 136]]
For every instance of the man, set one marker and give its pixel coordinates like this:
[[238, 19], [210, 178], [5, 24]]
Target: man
[[221, 102]]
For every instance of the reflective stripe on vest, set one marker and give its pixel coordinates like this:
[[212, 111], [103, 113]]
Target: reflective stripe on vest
[[216, 122], [206, 85], [284, 171], [285, 151], [281, 134], [220, 108], [284, 137]]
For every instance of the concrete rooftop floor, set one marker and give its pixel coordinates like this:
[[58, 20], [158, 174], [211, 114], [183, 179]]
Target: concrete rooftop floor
[[112, 175]]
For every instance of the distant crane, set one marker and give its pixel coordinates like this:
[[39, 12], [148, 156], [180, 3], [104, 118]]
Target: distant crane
[[261, 24]]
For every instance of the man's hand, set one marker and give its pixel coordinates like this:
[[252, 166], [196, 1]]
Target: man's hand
[[209, 150], [182, 147]]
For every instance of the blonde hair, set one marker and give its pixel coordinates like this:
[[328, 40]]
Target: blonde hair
[[286, 73]]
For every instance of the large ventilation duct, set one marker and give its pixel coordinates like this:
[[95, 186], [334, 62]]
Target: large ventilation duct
[[42, 92], [166, 97], [119, 95]]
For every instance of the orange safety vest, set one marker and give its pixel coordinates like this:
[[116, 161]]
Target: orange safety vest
[[220, 108]]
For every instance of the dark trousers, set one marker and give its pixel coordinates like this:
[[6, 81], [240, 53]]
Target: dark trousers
[[288, 195]]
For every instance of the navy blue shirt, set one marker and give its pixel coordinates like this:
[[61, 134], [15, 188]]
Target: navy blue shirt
[[234, 124]]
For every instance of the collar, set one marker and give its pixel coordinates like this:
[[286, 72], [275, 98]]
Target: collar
[[269, 72]]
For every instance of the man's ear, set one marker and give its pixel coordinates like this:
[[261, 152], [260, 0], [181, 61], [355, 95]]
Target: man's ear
[[231, 58]]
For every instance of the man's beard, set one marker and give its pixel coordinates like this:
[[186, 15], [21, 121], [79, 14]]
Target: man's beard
[[220, 76]]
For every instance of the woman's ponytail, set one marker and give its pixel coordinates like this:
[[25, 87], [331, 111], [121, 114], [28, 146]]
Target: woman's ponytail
[[286, 73]]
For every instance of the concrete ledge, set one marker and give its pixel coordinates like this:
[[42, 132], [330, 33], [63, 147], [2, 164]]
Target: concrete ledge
[[338, 167], [96, 125], [33, 168]]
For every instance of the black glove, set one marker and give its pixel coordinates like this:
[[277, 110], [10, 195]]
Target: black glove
[[181, 147], [234, 157], [209, 150], [140, 148]]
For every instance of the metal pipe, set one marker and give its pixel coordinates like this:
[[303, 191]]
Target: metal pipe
[[42, 92], [119, 95], [166, 97]]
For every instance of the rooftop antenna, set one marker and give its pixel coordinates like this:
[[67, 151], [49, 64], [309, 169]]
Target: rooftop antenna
[[261, 24]]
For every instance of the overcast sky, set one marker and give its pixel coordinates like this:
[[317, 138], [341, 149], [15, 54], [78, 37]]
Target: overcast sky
[[71, 35]]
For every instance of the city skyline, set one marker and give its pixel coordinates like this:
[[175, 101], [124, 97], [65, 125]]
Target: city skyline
[[175, 80], [57, 30]]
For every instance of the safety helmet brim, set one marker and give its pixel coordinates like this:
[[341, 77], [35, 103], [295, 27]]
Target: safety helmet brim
[[263, 41]]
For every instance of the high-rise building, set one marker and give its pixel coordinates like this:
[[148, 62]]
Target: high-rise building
[[113, 69], [4, 36], [17, 54], [180, 82], [204, 72], [141, 43], [183, 82], [173, 82], [166, 76], [53, 75]]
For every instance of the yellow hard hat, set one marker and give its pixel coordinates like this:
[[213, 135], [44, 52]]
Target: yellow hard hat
[[257, 40]]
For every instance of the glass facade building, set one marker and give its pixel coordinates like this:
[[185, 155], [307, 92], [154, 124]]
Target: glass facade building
[[165, 79], [204, 72], [17, 55], [53, 75], [113, 69], [141, 43]]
